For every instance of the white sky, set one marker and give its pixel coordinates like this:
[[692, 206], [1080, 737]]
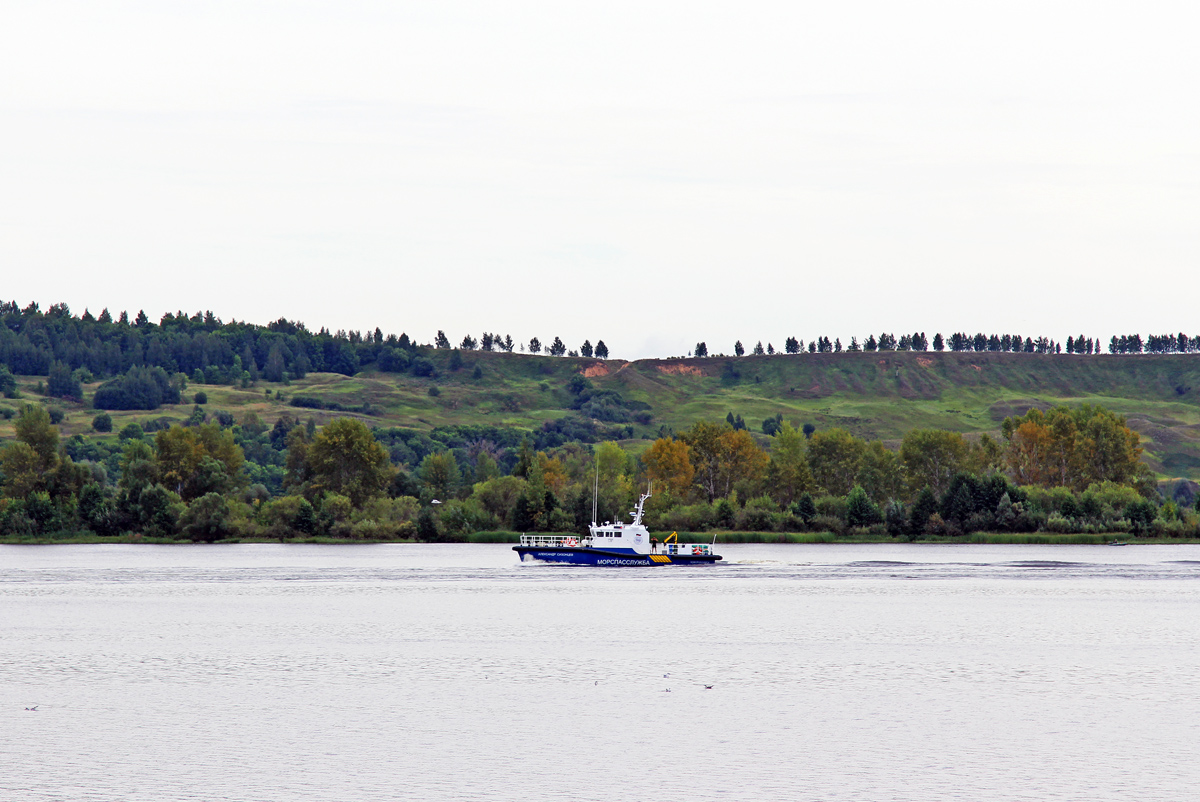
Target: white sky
[[652, 174]]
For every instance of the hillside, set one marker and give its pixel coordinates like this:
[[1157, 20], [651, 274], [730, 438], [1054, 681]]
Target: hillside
[[876, 395]]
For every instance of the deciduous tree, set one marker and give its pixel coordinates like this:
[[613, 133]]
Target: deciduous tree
[[835, 456], [931, 457], [345, 458], [668, 463]]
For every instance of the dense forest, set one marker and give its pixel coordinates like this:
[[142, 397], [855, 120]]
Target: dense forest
[[217, 475]]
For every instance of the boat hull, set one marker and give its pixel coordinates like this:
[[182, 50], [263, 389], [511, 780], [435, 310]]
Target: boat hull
[[587, 556]]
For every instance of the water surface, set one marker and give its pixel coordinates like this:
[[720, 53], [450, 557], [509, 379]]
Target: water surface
[[905, 672]]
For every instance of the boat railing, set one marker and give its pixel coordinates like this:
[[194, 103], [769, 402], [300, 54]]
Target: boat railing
[[696, 549], [551, 541]]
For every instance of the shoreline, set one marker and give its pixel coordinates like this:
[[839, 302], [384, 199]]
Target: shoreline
[[721, 538]]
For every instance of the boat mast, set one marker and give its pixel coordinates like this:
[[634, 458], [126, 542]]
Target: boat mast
[[595, 492], [637, 513]]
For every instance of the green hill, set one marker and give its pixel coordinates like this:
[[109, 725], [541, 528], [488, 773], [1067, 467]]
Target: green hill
[[873, 394]]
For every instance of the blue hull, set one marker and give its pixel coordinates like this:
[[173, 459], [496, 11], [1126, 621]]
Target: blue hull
[[586, 556]]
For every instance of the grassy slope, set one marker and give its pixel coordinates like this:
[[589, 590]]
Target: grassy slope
[[878, 395]]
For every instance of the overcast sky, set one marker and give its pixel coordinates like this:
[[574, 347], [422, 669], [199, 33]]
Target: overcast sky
[[652, 174]]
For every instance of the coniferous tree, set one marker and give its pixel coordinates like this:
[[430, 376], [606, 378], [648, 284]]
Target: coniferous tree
[[63, 383], [701, 350], [791, 345], [870, 344], [535, 345], [601, 350], [738, 350], [770, 348], [586, 348], [441, 341], [275, 364], [758, 349], [557, 348]]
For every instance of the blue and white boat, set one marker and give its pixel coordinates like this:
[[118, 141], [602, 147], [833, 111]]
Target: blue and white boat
[[615, 544]]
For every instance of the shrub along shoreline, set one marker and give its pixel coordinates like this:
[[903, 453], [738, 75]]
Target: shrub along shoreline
[[722, 538]]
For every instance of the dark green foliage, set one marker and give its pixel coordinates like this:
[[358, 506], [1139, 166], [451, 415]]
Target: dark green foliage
[[40, 510], [860, 510], [477, 373], [63, 383], [97, 511], [56, 415], [523, 516], [150, 508], [312, 402], [201, 398], [1141, 514], [701, 350], [771, 426], [576, 428], [809, 429], [8, 383], [207, 519], [805, 508], [131, 431], [275, 367], [895, 519], [394, 360], [923, 507], [586, 349], [557, 348], [738, 350], [725, 512], [456, 360], [140, 388], [102, 422], [422, 367]]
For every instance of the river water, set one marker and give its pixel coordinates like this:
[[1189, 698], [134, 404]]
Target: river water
[[452, 672]]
